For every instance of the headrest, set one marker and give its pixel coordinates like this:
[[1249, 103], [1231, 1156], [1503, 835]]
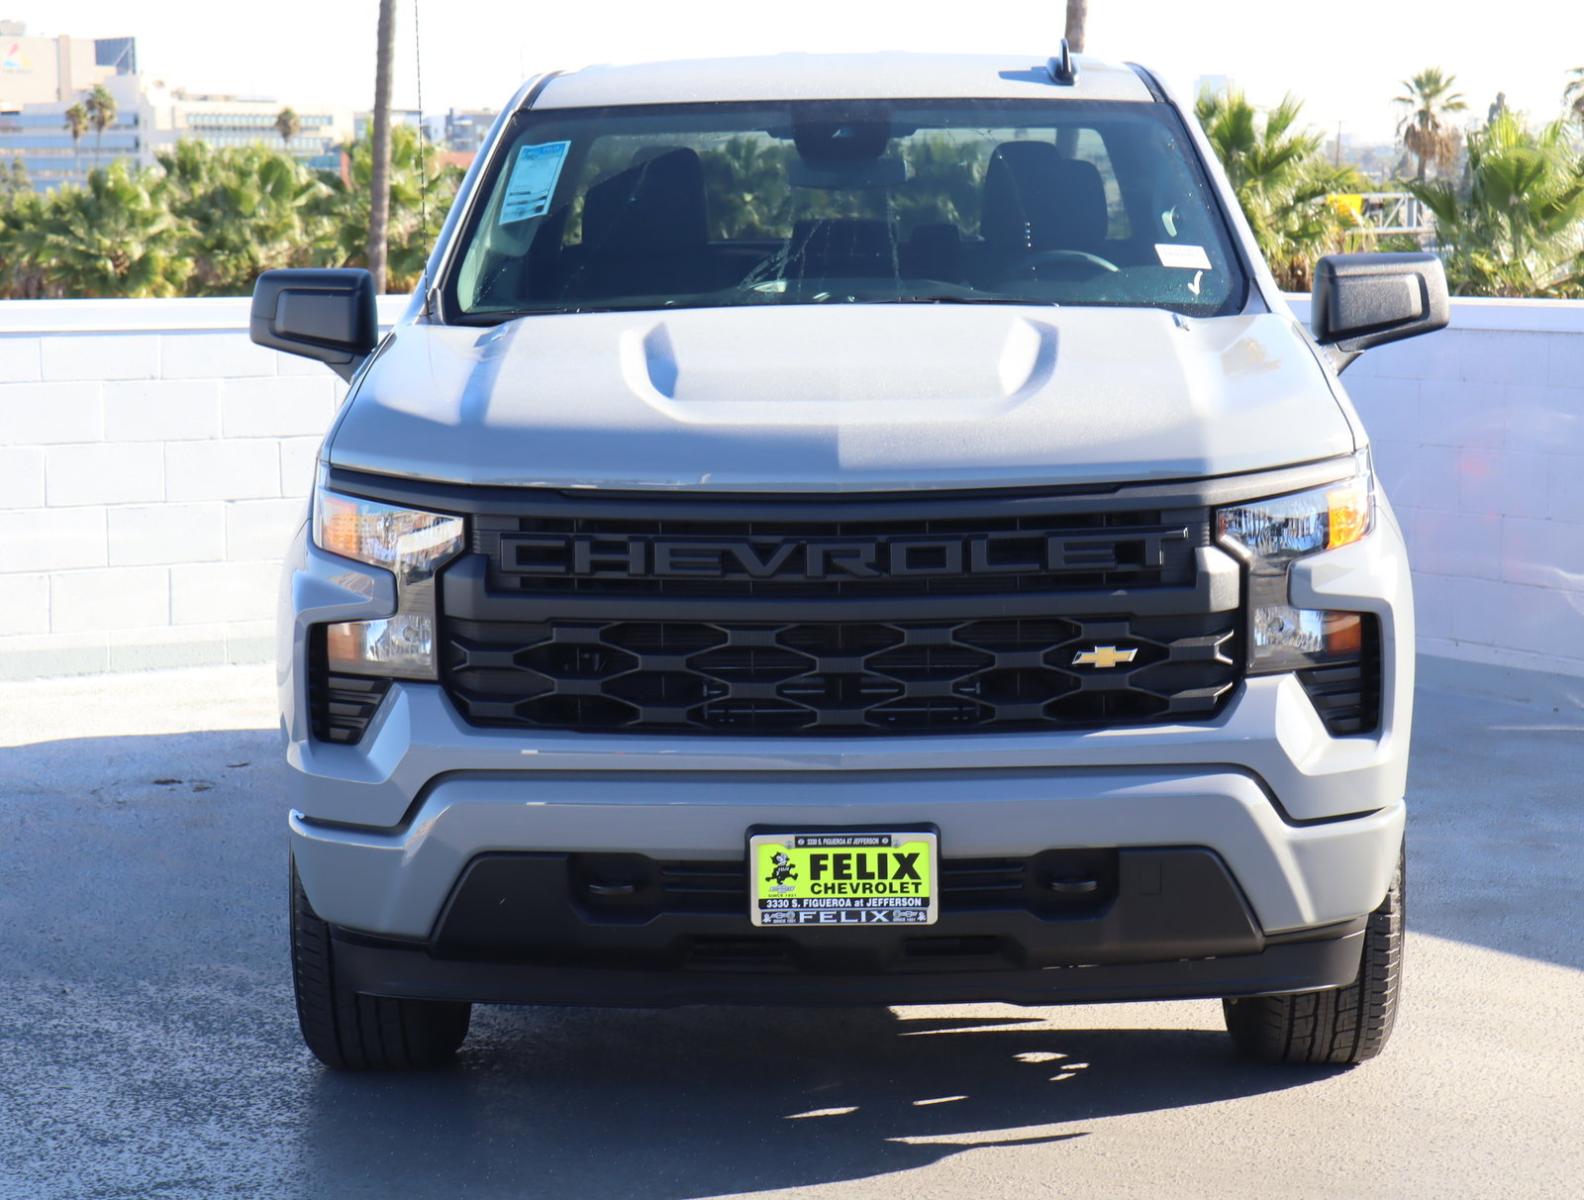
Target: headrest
[[656, 206], [1035, 199]]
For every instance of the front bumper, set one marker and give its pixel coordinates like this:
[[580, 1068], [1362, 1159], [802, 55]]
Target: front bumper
[[1308, 826], [395, 882], [383, 968]]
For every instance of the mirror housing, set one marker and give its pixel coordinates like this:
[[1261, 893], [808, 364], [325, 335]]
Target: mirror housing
[[327, 314], [1364, 300]]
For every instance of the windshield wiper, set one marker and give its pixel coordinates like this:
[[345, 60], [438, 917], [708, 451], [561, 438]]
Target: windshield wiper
[[957, 298]]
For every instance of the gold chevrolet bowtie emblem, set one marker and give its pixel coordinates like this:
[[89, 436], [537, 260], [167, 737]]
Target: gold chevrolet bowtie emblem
[[1103, 657]]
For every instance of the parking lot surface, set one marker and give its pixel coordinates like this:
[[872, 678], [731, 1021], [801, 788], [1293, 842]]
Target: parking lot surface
[[148, 1046]]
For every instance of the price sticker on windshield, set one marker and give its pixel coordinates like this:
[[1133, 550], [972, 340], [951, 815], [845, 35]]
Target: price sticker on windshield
[[533, 181]]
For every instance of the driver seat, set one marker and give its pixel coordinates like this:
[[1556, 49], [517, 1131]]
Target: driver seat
[[1035, 199]]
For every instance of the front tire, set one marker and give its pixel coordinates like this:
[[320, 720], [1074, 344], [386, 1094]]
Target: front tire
[[352, 1032], [1338, 1026]]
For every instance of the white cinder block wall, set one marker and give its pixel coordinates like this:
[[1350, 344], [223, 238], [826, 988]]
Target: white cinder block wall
[[153, 463], [1479, 439]]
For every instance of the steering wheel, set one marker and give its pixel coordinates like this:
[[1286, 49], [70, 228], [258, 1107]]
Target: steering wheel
[[1072, 258]]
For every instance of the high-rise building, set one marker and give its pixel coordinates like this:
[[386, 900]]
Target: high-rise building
[[42, 77], [238, 120]]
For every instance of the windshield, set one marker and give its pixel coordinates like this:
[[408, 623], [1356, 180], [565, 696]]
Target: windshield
[[853, 202]]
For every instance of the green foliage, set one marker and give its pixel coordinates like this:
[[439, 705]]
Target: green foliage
[[1281, 180], [115, 237], [242, 210], [20, 276], [747, 183], [208, 220], [76, 122], [101, 109], [1573, 93], [1517, 228], [14, 183], [418, 181]]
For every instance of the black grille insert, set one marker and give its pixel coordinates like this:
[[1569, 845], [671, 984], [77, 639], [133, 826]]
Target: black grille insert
[[340, 706], [1348, 695], [850, 677], [870, 614], [633, 887], [343, 705]]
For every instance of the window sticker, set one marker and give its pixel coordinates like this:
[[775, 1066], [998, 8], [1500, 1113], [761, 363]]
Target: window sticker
[[533, 181], [1190, 258]]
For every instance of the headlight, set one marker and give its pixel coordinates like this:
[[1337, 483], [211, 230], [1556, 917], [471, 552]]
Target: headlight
[[1269, 535], [410, 543]]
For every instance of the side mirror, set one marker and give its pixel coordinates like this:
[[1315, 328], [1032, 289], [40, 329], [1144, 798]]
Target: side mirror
[[1364, 300], [324, 314]]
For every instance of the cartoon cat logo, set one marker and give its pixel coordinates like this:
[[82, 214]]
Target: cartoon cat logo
[[782, 871]]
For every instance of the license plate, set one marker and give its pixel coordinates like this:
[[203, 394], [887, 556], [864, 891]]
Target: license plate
[[842, 879]]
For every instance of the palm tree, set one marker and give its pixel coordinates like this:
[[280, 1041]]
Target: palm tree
[[101, 108], [115, 237], [242, 210], [14, 184], [416, 180], [1282, 179], [1429, 100], [1517, 228], [1077, 18], [1573, 94], [76, 124], [379, 198], [21, 271], [288, 124]]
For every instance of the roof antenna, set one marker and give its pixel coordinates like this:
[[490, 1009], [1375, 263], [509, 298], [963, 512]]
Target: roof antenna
[[423, 170], [1061, 68]]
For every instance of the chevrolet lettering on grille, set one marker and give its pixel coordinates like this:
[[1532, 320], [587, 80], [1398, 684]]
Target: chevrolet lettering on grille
[[799, 559]]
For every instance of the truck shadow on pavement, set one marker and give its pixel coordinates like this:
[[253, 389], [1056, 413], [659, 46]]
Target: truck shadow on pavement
[[698, 1102]]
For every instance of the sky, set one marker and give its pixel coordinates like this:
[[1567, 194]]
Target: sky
[[1345, 61]]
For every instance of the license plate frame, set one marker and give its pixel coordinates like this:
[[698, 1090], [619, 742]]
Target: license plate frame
[[900, 867]]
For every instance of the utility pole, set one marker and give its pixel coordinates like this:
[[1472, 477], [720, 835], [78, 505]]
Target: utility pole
[[379, 176]]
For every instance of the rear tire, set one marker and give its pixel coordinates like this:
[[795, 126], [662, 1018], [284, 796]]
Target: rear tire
[[352, 1032], [1337, 1026]]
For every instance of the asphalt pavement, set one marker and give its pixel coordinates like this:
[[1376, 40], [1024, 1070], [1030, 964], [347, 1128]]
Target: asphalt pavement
[[148, 1046]]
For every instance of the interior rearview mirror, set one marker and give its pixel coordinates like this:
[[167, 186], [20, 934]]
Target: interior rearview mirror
[[327, 314], [1364, 300]]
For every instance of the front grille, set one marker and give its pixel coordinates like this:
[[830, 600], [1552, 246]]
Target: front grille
[[945, 553], [838, 677], [835, 616]]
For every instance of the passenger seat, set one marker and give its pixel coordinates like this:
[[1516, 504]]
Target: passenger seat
[[645, 231]]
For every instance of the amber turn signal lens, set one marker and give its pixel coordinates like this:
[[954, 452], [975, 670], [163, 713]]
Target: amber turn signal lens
[[1344, 634], [1348, 513], [339, 525]]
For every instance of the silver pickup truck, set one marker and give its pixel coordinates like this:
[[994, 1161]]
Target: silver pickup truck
[[816, 493]]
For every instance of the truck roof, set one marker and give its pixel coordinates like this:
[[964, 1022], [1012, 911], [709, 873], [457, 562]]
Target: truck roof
[[889, 76]]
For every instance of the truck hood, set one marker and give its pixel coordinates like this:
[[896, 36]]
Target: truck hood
[[848, 397]]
